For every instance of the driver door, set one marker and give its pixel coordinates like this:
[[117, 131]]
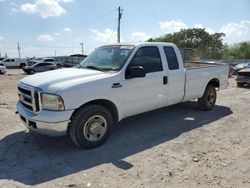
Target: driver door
[[146, 93]]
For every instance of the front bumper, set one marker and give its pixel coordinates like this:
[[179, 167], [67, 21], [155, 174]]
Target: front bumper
[[51, 123]]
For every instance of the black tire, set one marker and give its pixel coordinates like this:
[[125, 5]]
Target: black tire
[[32, 71], [87, 118], [207, 101], [58, 65], [22, 66], [240, 84]]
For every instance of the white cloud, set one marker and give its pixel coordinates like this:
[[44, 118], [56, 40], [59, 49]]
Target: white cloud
[[66, 1], [139, 37], [209, 30], [107, 36], [2, 0], [57, 34], [67, 29], [45, 37], [236, 32], [172, 26], [1, 38], [13, 9], [46, 8]]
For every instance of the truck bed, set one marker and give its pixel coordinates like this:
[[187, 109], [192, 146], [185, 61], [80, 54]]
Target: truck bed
[[197, 64], [198, 74]]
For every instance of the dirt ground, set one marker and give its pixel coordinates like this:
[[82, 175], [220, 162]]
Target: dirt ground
[[177, 146]]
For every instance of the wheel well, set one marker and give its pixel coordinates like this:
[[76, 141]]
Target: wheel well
[[107, 104], [214, 82]]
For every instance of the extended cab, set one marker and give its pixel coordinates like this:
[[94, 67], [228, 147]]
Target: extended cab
[[13, 62], [112, 83]]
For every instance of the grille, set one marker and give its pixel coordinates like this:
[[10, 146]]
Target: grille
[[29, 98], [244, 74]]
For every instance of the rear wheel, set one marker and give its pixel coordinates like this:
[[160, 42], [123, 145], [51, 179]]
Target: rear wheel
[[207, 101], [90, 126], [22, 65], [58, 65]]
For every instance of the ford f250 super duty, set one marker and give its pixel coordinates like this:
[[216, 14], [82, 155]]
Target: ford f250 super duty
[[112, 83]]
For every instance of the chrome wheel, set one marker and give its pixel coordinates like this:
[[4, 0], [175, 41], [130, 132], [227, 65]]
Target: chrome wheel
[[210, 98], [95, 128]]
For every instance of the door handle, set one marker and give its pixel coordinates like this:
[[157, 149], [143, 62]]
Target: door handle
[[165, 80], [116, 85]]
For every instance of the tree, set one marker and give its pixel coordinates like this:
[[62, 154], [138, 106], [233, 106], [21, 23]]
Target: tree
[[206, 45], [238, 51]]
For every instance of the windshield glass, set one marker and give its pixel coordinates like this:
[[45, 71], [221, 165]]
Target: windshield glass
[[107, 57]]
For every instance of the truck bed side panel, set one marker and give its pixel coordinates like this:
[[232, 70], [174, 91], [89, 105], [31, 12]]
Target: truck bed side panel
[[198, 78]]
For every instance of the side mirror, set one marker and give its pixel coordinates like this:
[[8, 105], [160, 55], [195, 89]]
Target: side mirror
[[135, 72]]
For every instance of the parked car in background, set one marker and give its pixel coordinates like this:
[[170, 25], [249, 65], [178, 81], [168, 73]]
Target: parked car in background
[[33, 61], [2, 58], [52, 60], [3, 69], [39, 67], [13, 62], [243, 76], [240, 66]]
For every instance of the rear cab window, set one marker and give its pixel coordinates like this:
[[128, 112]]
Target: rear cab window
[[171, 57]]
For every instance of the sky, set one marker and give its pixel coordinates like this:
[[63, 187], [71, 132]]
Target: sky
[[57, 27]]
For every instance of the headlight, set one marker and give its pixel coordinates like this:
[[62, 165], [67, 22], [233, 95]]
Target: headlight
[[52, 102]]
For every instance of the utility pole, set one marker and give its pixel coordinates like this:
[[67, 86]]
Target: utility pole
[[119, 22], [55, 53], [18, 48], [82, 43]]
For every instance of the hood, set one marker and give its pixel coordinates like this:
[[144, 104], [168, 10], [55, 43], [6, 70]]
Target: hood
[[245, 70], [52, 81], [27, 67]]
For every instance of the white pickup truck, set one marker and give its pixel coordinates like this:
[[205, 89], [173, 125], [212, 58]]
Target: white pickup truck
[[112, 83], [13, 62]]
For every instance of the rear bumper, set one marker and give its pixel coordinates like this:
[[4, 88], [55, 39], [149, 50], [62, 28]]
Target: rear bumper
[[51, 123]]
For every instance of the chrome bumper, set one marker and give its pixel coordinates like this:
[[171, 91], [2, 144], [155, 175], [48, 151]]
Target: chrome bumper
[[58, 128]]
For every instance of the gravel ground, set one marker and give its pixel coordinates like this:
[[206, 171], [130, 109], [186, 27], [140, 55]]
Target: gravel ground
[[177, 146]]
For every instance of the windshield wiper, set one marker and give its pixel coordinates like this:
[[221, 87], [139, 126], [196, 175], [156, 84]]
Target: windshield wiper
[[93, 67]]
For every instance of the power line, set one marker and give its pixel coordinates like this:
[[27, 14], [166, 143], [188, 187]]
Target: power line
[[100, 17]]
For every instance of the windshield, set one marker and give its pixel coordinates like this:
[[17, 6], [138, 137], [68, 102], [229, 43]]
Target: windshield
[[107, 57]]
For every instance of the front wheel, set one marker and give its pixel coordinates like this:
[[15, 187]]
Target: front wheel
[[32, 71], [207, 101], [90, 126]]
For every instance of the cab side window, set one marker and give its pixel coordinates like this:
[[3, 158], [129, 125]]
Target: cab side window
[[149, 58], [171, 58]]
